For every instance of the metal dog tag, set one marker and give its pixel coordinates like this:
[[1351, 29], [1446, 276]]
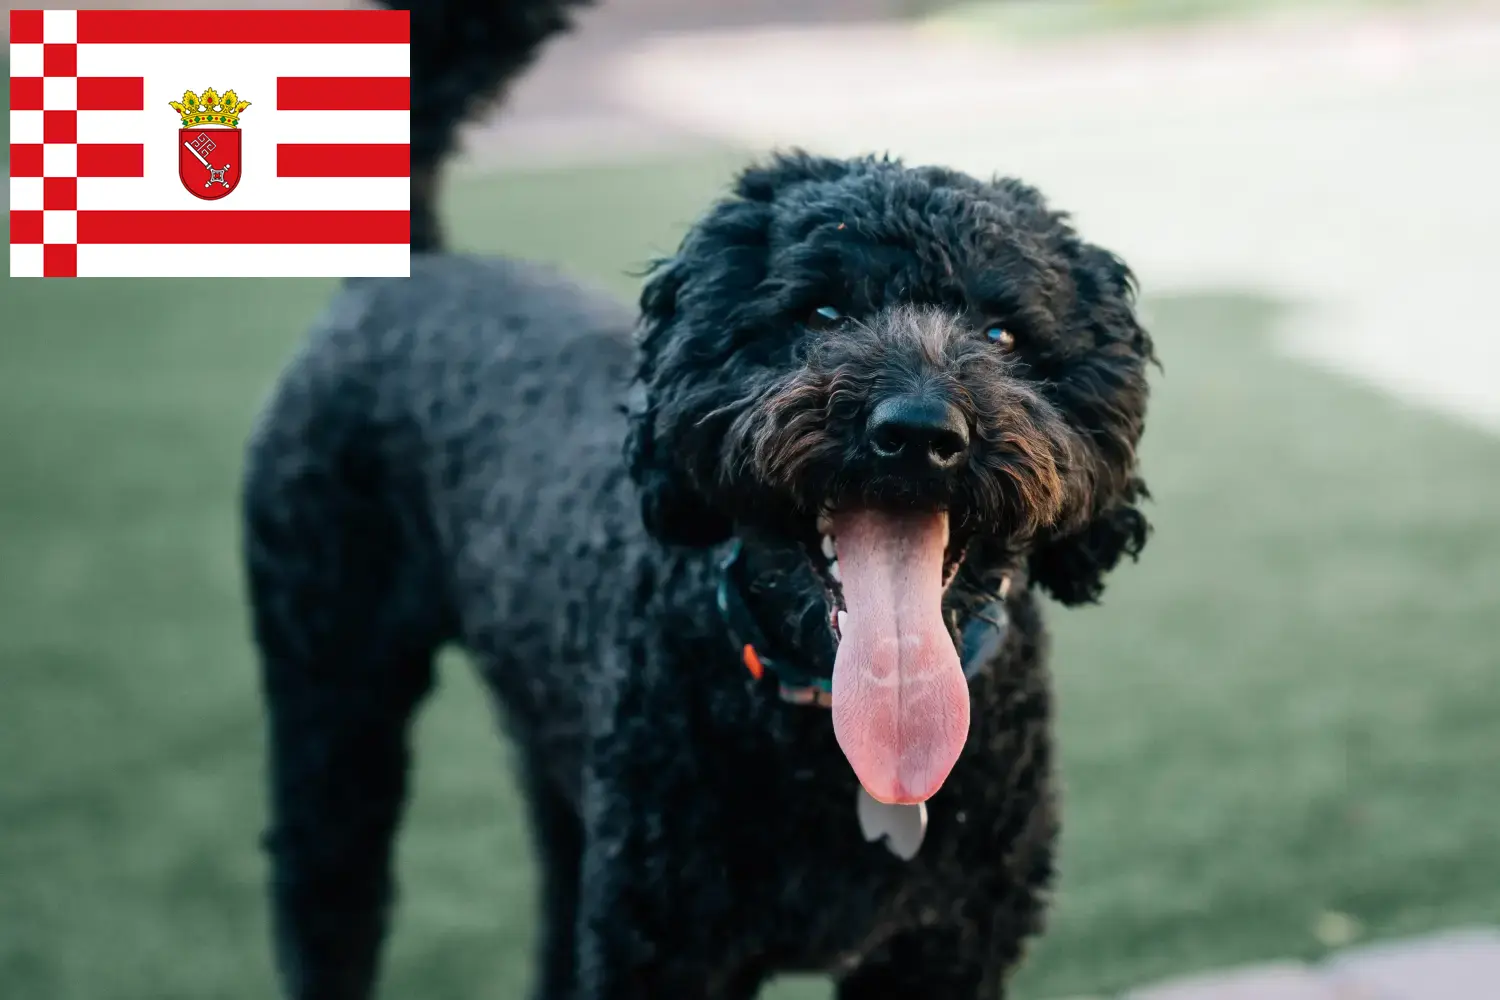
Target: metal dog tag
[[901, 827]]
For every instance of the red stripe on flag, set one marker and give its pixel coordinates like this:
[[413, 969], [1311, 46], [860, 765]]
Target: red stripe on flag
[[26, 93], [60, 260], [211, 227], [60, 194], [111, 159], [59, 59], [25, 27], [346, 159], [25, 225], [243, 27], [111, 93], [26, 159], [60, 126], [343, 93]]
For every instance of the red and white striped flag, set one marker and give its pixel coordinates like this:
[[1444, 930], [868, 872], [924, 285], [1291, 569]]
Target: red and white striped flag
[[231, 143]]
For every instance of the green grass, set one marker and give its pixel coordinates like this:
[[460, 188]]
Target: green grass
[[1287, 708], [1037, 20]]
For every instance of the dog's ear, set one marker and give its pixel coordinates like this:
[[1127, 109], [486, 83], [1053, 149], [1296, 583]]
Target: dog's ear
[[1106, 391], [1072, 567], [671, 509], [694, 306]]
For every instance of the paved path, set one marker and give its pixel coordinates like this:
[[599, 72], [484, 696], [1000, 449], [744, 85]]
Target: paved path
[[567, 110], [1347, 166], [1461, 965]]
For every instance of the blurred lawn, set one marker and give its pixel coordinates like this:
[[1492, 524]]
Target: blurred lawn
[[1287, 708]]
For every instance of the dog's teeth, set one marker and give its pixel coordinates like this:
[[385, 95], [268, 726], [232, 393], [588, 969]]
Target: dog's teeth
[[828, 549], [825, 523], [843, 623], [833, 571]]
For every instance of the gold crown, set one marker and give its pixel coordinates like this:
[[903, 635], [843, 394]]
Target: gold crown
[[210, 108]]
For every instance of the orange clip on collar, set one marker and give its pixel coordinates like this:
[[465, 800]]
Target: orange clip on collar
[[752, 662]]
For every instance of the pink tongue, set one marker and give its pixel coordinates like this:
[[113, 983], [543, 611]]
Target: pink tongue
[[900, 703]]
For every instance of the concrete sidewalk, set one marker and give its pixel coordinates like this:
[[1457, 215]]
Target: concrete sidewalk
[[1463, 965]]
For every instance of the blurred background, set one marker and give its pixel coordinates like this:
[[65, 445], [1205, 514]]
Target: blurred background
[[1279, 732]]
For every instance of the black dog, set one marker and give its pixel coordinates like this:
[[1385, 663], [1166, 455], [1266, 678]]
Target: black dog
[[870, 411]]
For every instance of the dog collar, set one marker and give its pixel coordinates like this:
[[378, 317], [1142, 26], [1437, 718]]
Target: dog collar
[[982, 636]]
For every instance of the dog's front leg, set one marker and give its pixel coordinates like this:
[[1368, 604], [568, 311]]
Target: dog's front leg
[[656, 910], [653, 924], [967, 962]]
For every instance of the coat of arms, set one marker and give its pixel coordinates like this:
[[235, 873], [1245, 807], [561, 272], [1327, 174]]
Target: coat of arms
[[209, 151]]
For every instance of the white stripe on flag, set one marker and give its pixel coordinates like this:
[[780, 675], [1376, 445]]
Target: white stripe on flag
[[60, 26], [224, 66], [59, 226], [60, 93], [26, 60], [26, 193], [261, 130], [25, 260], [258, 189], [26, 126], [241, 260]]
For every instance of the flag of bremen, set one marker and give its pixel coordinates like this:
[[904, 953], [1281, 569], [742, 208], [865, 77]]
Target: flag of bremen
[[307, 174]]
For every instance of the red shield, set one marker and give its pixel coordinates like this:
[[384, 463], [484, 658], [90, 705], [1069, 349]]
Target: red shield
[[208, 161]]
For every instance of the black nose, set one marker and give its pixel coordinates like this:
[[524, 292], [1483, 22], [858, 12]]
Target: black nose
[[919, 430]]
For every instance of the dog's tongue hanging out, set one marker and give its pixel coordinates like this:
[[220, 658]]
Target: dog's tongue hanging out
[[900, 702]]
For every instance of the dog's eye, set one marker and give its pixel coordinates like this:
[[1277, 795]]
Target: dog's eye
[[1000, 337], [824, 317]]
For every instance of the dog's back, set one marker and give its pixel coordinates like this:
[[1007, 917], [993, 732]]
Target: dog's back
[[467, 416]]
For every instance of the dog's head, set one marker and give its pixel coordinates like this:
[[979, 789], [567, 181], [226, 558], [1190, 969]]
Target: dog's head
[[898, 383]]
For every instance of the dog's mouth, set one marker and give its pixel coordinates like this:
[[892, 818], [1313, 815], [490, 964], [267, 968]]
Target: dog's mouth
[[900, 702], [823, 553]]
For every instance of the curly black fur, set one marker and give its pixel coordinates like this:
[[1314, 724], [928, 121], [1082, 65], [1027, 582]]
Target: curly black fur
[[442, 464], [759, 416]]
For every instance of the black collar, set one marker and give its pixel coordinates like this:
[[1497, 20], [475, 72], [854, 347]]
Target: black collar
[[982, 635]]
